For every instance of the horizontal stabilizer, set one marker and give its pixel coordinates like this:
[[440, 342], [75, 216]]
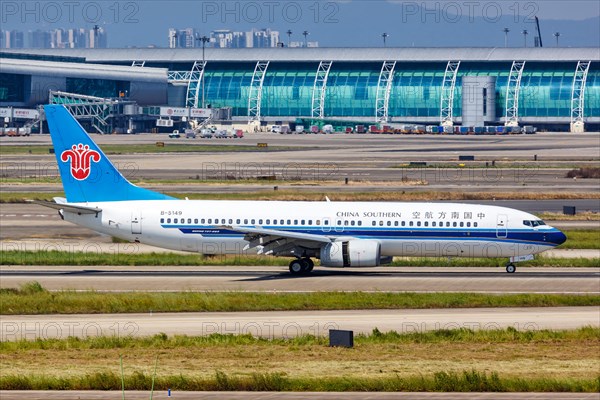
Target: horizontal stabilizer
[[68, 207]]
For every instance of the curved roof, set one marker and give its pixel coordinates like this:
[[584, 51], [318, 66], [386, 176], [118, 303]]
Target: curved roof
[[350, 54], [79, 70]]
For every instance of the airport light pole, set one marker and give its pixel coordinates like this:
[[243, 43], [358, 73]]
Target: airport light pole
[[384, 35], [305, 33], [204, 39], [289, 33], [556, 35], [525, 33], [506, 30]]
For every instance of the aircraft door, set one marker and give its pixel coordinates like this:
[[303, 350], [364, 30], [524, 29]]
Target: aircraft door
[[502, 226], [136, 222]]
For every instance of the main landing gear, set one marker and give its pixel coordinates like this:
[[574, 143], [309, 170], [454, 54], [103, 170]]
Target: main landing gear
[[301, 266], [511, 268]]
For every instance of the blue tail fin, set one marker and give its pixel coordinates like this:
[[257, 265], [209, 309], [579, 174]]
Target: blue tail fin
[[87, 174]]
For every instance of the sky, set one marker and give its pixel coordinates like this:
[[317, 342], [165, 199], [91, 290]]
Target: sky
[[333, 23]]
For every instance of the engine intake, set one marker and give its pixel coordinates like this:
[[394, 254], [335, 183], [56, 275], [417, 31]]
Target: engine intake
[[352, 253]]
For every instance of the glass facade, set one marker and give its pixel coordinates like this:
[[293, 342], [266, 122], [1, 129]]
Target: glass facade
[[352, 88], [12, 87], [97, 87]]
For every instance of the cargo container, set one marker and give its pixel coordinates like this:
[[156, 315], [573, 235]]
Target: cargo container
[[449, 129], [479, 130], [299, 128], [419, 129], [314, 129], [464, 130], [360, 129], [348, 129]]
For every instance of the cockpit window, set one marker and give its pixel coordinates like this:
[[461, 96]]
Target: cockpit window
[[534, 223]]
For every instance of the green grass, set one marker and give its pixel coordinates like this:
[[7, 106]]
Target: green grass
[[170, 147], [33, 299], [581, 239], [92, 256], [443, 381], [440, 337], [269, 194], [376, 346]]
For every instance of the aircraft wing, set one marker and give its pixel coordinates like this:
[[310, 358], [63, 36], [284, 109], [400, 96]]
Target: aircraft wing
[[273, 241]]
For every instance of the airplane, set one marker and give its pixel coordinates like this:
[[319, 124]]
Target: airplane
[[339, 234]]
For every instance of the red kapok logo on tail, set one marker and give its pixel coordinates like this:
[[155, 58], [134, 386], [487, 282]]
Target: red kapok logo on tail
[[81, 157]]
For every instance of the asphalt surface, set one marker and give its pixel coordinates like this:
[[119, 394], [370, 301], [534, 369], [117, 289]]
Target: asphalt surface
[[278, 279], [100, 395], [366, 160], [289, 324]]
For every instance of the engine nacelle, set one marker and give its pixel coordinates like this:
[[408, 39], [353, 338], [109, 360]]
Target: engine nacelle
[[352, 253]]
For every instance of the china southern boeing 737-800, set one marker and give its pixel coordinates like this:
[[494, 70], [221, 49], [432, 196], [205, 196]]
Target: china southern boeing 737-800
[[339, 234]]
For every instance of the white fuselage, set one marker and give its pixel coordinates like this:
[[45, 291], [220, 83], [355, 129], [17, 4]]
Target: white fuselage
[[402, 229]]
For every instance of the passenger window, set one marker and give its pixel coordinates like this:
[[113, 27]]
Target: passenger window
[[162, 220], [433, 224], [403, 223], [289, 221], [380, 223], [303, 222], [346, 222], [318, 222], [395, 223], [260, 221], [230, 222], [454, 224], [352, 223], [245, 221], [418, 223], [223, 221], [210, 221], [295, 222], [168, 220], [202, 221], [359, 223], [389, 223], [374, 223], [268, 222], [175, 220], [410, 223], [252, 222], [238, 221], [310, 221], [462, 224], [448, 223], [475, 224], [468, 224], [196, 220]]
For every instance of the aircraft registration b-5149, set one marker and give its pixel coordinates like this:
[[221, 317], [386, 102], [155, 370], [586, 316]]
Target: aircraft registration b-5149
[[339, 234]]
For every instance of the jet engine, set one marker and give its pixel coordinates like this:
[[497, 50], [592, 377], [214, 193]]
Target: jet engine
[[351, 253]]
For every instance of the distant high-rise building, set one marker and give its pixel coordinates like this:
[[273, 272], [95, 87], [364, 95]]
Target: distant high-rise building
[[39, 39], [13, 39], [96, 38], [182, 38]]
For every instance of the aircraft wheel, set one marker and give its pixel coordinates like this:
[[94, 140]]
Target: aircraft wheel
[[297, 267], [511, 268], [309, 264]]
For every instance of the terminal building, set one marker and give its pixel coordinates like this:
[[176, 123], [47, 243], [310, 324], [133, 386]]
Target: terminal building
[[550, 88]]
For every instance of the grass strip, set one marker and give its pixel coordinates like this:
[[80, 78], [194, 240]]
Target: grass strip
[[465, 381], [295, 195], [306, 363], [93, 255], [581, 239], [32, 299], [162, 341]]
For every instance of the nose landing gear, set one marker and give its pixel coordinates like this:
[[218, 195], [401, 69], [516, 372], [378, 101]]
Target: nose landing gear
[[511, 268]]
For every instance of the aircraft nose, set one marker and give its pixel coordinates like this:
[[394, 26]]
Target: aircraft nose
[[557, 238]]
